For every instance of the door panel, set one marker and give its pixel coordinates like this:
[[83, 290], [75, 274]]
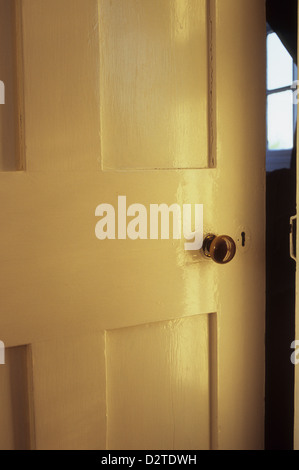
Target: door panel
[[154, 84], [58, 281], [10, 155], [15, 404], [158, 384], [69, 393]]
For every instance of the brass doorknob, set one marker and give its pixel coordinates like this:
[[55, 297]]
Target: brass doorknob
[[220, 249]]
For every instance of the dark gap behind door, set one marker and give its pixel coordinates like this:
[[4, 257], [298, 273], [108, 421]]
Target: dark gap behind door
[[280, 269]]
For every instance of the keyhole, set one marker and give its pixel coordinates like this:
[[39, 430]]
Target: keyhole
[[243, 238]]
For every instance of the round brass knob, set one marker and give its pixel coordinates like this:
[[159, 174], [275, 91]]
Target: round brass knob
[[220, 249]]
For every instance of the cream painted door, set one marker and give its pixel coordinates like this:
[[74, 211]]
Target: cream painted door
[[120, 343]]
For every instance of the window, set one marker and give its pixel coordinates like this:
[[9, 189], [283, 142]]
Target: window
[[281, 111]]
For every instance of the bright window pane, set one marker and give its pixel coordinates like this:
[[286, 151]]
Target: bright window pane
[[280, 121], [279, 63]]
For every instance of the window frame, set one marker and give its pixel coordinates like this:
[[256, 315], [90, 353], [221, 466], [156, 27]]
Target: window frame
[[278, 159]]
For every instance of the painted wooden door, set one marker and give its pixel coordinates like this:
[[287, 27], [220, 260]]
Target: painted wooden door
[[123, 343]]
